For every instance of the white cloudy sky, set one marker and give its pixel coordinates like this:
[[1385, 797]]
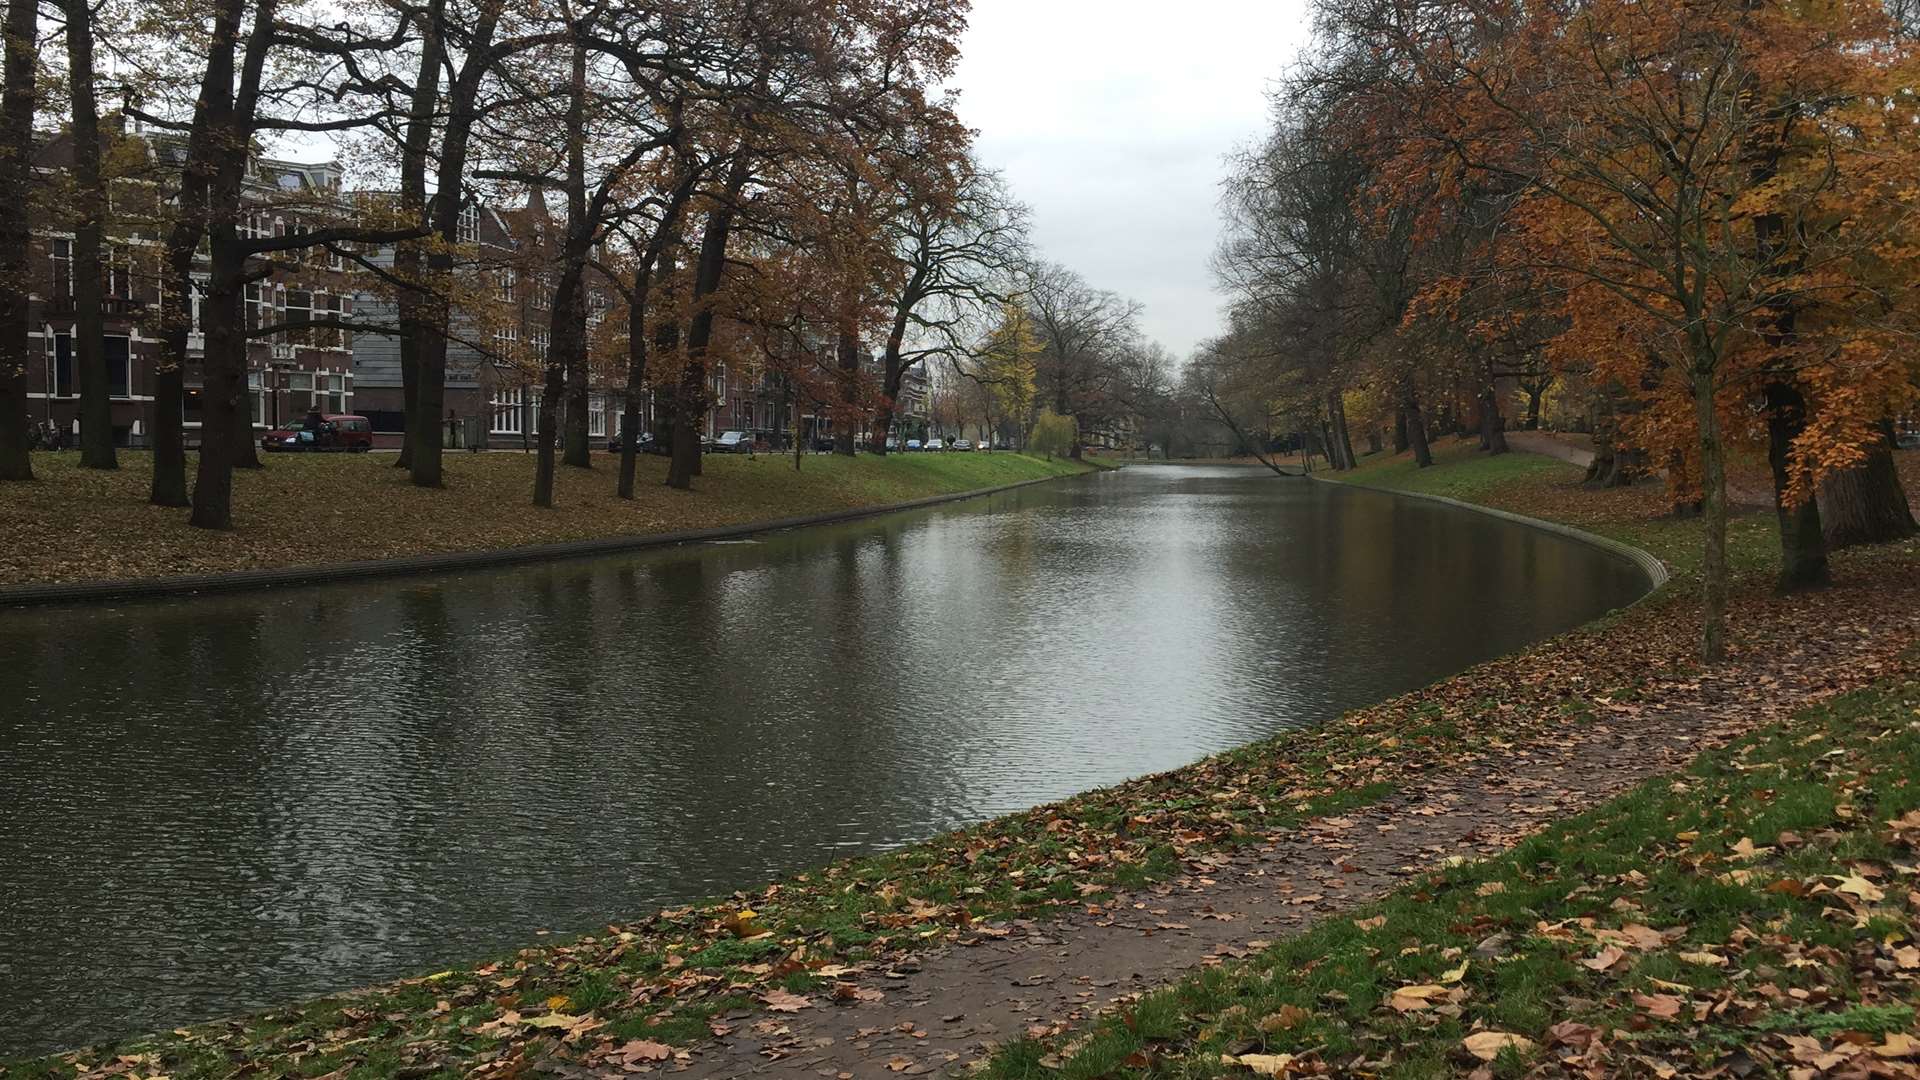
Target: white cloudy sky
[[1110, 119]]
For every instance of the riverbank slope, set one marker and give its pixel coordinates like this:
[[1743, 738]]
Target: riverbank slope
[[305, 510]]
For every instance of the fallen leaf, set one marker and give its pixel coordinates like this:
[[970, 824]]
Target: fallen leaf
[[1487, 1045], [1413, 998], [1664, 1006], [1855, 885], [1899, 1044], [1605, 959], [1261, 1064], [783, 1001], [645, 1050]]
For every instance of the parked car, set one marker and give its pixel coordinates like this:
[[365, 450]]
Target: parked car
[[913, 444], [1907, 440], [733, 442], [647, 444], [337, 432], [893, 443], [963, 444], [936, 443]]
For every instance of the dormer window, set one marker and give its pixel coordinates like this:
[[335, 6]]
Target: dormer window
[[469, 228]]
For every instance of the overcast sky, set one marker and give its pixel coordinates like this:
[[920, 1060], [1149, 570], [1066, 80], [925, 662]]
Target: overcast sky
[[1110, 119]]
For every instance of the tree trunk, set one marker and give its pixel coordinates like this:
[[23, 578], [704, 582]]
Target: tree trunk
[[16, 182], [222, 439], [426, 465], [223, 380], [1866, 504], [567, 340], [1416, 431], [90, 205], [553, 392], [413, 308], [1493, 430], [1803, 550], [183, 242], [1340, 446], [1400, 438], [636, 379], [847, 351], [579, 452], [706, 280], [1713, 485]]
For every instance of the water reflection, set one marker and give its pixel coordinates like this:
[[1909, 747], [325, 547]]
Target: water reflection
[[217, 804]]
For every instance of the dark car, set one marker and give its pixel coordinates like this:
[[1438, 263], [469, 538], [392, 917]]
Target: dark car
[[647, 444], [733, 442], [338, 432]]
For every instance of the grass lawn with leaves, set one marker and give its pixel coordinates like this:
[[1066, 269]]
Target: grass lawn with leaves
[[74, 524]]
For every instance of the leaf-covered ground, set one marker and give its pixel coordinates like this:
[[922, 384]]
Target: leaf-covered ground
[[640, 996], [75, 524]]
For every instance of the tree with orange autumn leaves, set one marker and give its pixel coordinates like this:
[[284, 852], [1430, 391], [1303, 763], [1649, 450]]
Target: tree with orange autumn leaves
[[1708, 203]]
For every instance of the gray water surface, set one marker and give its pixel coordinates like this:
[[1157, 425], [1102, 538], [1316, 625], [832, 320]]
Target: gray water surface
[[209, 805]]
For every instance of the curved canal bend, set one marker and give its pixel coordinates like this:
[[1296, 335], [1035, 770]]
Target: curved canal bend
[[225, 803]]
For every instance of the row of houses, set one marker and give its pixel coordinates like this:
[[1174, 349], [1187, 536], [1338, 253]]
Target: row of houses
[[492, 393]]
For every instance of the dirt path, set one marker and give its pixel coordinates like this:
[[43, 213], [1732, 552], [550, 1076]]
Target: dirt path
[[953, 1006], [1559, 446], [1553, 446]]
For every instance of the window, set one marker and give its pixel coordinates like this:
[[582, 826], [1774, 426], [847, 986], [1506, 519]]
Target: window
[[335, 387], [543, 292], [256, 304], [540, 341], [469, 226], [254, 225], [333, 307], [596, 415], [509, 416], [197, 300], [62, 268], [301, 383], [296, 306], [258, 400], [720, 382], [506, 341], [60, 365], [119, 283], [506, 278], [119, 368]]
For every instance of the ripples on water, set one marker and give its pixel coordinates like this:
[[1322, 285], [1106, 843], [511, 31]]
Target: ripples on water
[[218, 804]]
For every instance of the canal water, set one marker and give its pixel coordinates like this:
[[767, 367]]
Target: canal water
[[213, 805]]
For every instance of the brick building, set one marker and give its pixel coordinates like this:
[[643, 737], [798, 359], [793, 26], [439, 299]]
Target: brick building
[[287, 374]]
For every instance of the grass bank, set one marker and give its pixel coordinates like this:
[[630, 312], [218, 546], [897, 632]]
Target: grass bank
[[75, 524], [1754, 916], [649, 989]]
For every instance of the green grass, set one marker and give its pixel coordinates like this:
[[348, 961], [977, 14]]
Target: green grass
[[1459, 471], [1748, 951]]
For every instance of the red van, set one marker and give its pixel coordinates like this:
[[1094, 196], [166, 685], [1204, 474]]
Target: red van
[[340, 432]]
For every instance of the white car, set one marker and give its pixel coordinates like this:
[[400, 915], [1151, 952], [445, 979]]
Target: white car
[[963, 444]]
